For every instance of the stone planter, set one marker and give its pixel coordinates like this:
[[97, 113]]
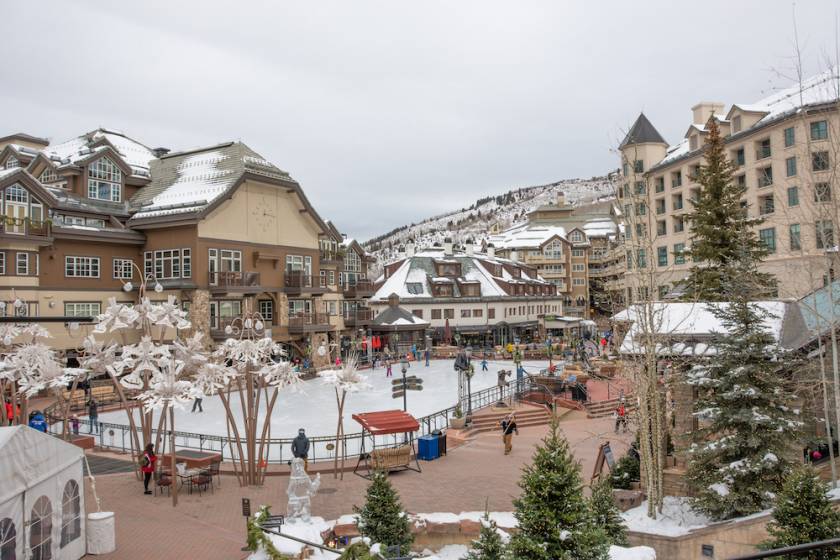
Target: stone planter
[[457, 423], [101, 533]]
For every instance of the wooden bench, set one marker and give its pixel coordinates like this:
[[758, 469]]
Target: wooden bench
[[391, 458]]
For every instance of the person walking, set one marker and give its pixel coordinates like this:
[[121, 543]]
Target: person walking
[[197, 403], [484, 362], [427, 352], [300, 448], [93, 415], [621, 417], [147, 466], [388, 372], [508, 429], [414, 352]]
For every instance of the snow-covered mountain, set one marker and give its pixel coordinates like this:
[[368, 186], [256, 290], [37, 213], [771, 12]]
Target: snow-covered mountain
[[484, 217]]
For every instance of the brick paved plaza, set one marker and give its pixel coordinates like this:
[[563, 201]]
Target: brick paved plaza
[[211, 527]]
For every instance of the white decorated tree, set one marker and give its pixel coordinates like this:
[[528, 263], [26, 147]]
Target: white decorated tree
[[345, 380]]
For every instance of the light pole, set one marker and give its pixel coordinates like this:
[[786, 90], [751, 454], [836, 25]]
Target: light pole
[[468, 353]]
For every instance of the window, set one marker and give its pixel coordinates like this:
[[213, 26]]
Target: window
[[81, 267], [790, 137], [448, 313], [790, 166], [768, 237], [576, 237], [105, 180], [465, 314], [436, 314], [765, 176], [48, 175], [267, 310], [231, 261], [641, 188], [16, 193], [819, 130], [577, 252], [679, 224], [71, 513], [578, 281], [149, 263], [692, 142], [294, 263], [793, 196], [491, 313], [661, 227], [736, 124], [679, 253], [22, 264], [662, 256], [641, 209], [676, 179], [12, 162], [629, 260], [741, 181], [659, 184], [677, 201], [766, 204], [576, 267], [628, 209], [641, 230], [553, 250], [638, 166], [296, 307], [824, 234], [795, 237], [123, 269], [478, 312], [660, 205], [8, 539], [819, 161], [331, 277], [167, 264], [822, 192], [40, 529], [2, 262], [641, 258], [740, 158], [81, 309], [323, 278], [625, 167], [762, 149], [352, 262], [186, 263]]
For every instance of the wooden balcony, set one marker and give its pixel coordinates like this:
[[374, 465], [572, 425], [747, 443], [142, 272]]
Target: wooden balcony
[[223, 282], [309, 322], [331, 257], [296, 282], [359, 288], [358, 318], [24, 227]]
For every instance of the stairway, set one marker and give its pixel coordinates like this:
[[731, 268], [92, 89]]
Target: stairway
[[602, 409], [526, 415]]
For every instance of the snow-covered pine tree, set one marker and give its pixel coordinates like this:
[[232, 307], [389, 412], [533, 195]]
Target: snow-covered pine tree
[[489, 545], [747, 422], [382, 518], [803, 514], [554, 519], [606, 513], [721, 233]]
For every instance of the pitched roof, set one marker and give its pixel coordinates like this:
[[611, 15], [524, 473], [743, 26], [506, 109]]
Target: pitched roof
[[527, 236], [25, 137], [642, 132], [398, 317], [80, 149]]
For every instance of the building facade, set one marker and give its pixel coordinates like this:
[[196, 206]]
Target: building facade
[[783, 149], [218, 228]]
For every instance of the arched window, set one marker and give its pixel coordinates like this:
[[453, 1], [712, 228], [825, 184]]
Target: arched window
[[40, 529], [8, 539], [71, 513], [12, 162], [16, 193], [105, 180]]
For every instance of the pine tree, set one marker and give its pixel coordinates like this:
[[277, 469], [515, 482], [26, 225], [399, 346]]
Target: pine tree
[[721, 233], [747, 421], [554, 519], [382, 518], [489, 545], [803, 514], [606, 513]]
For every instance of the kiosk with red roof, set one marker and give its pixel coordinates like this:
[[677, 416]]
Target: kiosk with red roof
[[388, 454]]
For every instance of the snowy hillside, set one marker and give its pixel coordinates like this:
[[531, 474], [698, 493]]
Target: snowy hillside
[[485, 216]]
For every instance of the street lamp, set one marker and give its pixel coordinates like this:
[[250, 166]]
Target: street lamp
[[468, 353]]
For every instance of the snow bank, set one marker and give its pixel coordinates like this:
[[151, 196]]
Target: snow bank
[[677, 518], [503, 519], [448, 552], [634, 553], [308, 531]]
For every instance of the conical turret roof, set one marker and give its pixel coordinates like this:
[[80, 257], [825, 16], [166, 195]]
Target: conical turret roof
[[642, 132]]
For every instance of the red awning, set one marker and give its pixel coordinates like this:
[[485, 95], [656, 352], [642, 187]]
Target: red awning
[[387, 422]]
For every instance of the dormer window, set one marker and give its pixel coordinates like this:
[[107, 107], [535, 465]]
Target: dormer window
[[692, 142], [576, 237], [105, 180], [48, 176], [553, 250], [12, 162], [414, 288], [736, 124]]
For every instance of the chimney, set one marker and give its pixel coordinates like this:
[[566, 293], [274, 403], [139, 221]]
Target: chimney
[[447, 247], [160, 152], [703, 110], [491, 250], [409, 249], [561, 198]]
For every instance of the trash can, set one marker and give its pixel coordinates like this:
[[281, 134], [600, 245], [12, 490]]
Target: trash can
[[441, 442], [427, 448]]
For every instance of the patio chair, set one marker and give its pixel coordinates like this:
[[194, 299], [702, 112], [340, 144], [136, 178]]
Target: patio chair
[[163, 481], [213, 471], [200, 480]]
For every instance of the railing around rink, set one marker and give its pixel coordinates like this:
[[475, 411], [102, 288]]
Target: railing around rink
[[116, 437]]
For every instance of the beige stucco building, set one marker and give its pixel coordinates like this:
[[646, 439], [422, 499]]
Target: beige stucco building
[[784, 150]]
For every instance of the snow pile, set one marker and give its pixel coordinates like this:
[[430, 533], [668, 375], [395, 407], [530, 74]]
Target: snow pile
[[634, 553], [503, 519], [310, 531], [677, 518], [448, 552]]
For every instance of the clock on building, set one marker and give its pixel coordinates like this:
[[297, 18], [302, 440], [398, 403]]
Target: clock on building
[[263, 213]]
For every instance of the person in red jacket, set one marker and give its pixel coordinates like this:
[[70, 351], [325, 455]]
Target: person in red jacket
[[621, 417], [147, 465]]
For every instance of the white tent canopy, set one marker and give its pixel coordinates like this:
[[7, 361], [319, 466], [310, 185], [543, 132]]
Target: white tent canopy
[[41, 496]]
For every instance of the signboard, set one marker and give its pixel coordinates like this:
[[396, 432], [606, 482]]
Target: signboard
[[604, 456], [246, 507], [608, 455], [398, 394]]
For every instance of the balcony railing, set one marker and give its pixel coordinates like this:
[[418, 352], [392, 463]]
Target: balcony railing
[[308, 322], [331, 256], [296, 281], [358, 317], [358, 288], [25, 226], [229, 279]]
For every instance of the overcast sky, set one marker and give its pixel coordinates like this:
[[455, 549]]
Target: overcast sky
[[388, 112]]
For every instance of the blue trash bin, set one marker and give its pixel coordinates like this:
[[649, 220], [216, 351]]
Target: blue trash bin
[[427, 448]]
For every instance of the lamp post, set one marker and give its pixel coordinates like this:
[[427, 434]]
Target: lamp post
[[468, 352]]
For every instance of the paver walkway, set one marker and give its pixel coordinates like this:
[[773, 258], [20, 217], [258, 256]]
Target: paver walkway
[[211, 527]]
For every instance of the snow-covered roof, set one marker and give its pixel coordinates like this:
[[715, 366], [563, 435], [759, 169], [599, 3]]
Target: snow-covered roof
[[527, 236], [413, 278], [681, 326], [82, 148]]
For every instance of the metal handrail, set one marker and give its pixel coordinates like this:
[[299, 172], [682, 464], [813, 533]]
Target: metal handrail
[[816, 545]]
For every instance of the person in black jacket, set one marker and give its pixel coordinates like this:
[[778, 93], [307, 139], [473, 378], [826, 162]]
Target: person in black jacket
[[300, 448], [93, 416], [508, 429]]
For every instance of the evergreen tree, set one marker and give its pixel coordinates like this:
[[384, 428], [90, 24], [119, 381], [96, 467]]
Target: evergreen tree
[[606, 513], [747, 419], [489, 545], [803, 514], [721, 233], [382, 518], [554, 519]]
